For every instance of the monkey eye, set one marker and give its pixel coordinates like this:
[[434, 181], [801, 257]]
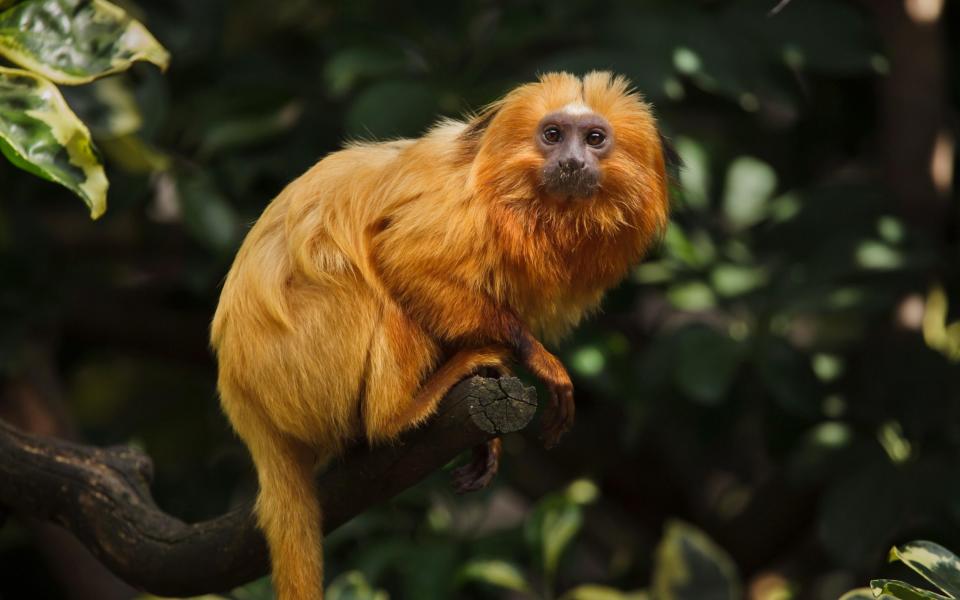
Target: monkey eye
[[596, 137], [552, 135]]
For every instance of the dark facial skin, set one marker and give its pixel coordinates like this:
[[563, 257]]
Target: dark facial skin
[[572, 146]]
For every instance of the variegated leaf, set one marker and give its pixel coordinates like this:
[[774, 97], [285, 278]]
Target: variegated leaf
[[76, 41], [859, 594], [39, 133], [691, 566], [935, 563], [902, 590]]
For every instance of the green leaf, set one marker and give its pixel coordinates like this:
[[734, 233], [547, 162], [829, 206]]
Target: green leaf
[[733, 280], [693, 248], [582, 492], [706, 363], [935, 563], [902, 590], [559, 527], [234, 132], [494, 572], [694, 296], [209, 217], [40, 134], [789, 377], [859, 594], [601, 592], [551, 527], [690, 566], [107, 106], [350, 65], [353, 586], [134, 155], [750, 185], [260, 589], [695, 174], [392, 108], [76, 41], [653, 272], [871, 254], [588, 361], [860, 512]]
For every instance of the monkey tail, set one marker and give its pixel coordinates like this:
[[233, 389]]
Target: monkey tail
[[288, 512]]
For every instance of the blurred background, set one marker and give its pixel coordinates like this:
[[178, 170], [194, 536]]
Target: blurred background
[[766, 405]]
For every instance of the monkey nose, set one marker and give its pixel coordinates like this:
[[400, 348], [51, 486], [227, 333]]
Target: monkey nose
[[571, 164]]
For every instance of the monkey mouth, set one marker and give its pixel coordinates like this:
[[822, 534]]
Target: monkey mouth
[[581, 183]]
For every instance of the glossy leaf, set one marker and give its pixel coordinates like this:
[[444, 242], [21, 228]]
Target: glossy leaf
[[859, 594], [601, 592], [73, 41], [902, 590], [690, 566], [498, 573], [935, 563], [40, 134]]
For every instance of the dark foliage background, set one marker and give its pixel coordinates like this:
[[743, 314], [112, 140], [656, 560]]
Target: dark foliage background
[[779, 374]]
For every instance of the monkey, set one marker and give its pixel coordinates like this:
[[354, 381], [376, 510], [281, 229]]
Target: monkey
[[389, 271]]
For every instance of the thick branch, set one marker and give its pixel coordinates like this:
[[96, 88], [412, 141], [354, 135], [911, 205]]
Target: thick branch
[[102, 494]]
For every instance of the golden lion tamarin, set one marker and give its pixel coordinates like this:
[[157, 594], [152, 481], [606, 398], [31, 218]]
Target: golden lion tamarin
[[390, 271]]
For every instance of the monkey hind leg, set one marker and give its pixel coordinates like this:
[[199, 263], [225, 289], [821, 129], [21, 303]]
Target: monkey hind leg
[[288, 512], [386, 418]]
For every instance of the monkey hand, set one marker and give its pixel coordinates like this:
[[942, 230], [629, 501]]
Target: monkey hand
[[478, 473], [558, 417]]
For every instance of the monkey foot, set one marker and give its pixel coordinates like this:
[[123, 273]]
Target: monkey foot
[[479, 472]]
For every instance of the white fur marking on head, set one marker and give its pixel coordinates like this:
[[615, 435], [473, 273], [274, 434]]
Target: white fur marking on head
[[577, 108]]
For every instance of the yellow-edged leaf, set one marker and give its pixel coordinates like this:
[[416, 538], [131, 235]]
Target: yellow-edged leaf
[[76, 41], [40, 134]]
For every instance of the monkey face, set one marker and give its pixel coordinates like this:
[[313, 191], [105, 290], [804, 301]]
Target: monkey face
[[572, 142], [584, 151]]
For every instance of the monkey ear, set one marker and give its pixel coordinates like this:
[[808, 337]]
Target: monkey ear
[[479, 122], [477, 125]]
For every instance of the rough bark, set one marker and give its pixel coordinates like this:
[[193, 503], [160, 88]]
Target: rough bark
[[102, 494]]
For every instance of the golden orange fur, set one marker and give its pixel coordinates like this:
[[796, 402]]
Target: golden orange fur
[[389, 271]]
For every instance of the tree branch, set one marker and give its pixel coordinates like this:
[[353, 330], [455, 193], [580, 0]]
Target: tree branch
[[102, 494]]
